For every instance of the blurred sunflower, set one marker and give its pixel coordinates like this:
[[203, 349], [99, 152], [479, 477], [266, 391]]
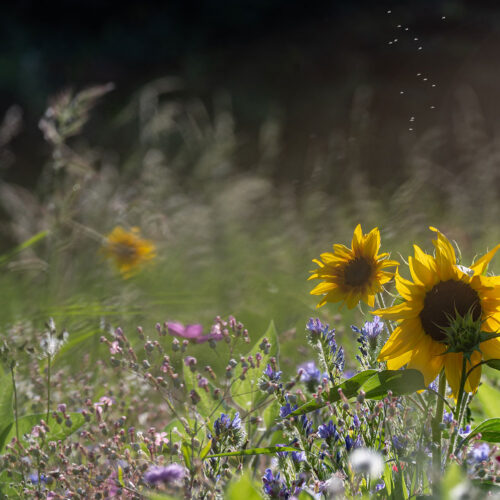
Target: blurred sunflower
[[441, 292], [353, 274], [128, 249]]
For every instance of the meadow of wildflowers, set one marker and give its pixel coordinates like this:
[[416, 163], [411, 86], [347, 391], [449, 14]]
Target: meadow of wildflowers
[[117, 381]]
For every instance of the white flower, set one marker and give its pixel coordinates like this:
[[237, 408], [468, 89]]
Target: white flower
[[366, 461]]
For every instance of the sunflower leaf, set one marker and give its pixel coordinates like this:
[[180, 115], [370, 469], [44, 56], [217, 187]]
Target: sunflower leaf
[[349, 387], [493, 363], [399, 382], [489, 430], [375, 384]]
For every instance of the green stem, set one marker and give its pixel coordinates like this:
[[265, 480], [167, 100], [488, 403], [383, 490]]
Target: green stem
[[463, 377], [436, 425], [458, 406], [15, 399], [48, 387]]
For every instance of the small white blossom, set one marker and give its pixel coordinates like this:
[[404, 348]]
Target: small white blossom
[[366, 461]]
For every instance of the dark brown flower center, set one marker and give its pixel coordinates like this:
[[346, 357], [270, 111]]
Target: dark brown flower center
[[357, 272], [447, 299], [124, 250]]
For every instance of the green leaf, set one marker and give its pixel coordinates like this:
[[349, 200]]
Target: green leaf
[[493, 363], [57, 431], [120, 476], [245, 488], [6, 408], [376, 385], [350, 388], [206, 405], [452, 477], [151, 495], [246, 393], [399, 382], [206, 449], [270, 450], [186, 453], [25, 244], [489, 399], [489, 429]]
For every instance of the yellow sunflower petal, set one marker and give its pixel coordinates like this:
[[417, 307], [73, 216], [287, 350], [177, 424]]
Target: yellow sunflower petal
[[422, 268], [479, 267], [357, 240], [397, 363], [405, 310], [428, 359], [323, 287], [453, 370], [403, 339], [491, 349], [371, 243], [406, 288], [472, 382], [445, 253]]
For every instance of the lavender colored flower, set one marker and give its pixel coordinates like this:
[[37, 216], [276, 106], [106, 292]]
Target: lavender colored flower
[[272, 375], [448, 417], [281, 454], [399, 443], [34, 478], [298, 456], [224, 423], [309, 373], [193, 333], [380, 486], [356, 421], [287, 409], [368, 335], [318, 330], [463, 432], [306, 425], [349, 443], [164, 474], [328, 431], [480, 453], [274, 486]]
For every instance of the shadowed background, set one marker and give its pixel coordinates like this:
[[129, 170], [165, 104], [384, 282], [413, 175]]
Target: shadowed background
[[244, 138]]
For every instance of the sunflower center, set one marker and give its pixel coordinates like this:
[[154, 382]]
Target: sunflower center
[[357, 272], [445, 300], [125, 250]]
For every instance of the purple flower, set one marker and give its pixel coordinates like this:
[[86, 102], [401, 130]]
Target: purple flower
[[480, 453], [287, 409], [349, 443], [161, 474], [298, 456], [356, 421], [399, 443], [328, 431], [274, 486], [373, 328], [380, 486], [309, 372], [191, 332], [463, 432], [306, 425], [448, 417], [273, 376], [224, 423], [318, 330]]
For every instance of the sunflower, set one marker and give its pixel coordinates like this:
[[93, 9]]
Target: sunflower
[[353, 274], [128, 249], [441, 291]]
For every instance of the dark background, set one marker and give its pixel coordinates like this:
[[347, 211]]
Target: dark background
[[303, 62]]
